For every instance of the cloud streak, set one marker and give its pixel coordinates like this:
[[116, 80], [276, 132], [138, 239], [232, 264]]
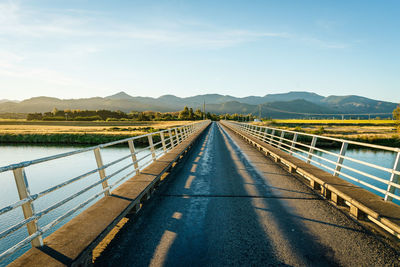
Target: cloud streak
[[26, 24]]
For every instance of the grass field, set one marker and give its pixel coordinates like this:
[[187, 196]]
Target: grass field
[[75, 132], [339, 122], [77, 127]]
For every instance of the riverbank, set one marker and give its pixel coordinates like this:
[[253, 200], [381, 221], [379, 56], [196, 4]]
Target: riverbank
[[69, 139]]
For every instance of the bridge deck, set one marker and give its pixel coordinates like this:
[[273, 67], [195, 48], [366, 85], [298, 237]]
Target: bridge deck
[[228, 204], [73, 243]]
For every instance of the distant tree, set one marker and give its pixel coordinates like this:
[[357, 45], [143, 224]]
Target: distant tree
[[142, 117], [396, 113], [198, 114], [184, 114], [34, 116], [191, 114]]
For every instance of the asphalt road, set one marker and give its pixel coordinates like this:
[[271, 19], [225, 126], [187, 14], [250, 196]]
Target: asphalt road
[[229, 205]]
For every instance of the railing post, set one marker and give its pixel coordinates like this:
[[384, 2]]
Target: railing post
[[340, 159], [259, 132], [293, 143], [182, 134], [171, 140], [102, 172], [271, 138], [153, 153], [163, 141], [253, 130], [310, 152], [394, 178], [134, 158], [265, 134], [177, 136], [27, 208], [280, 139], [246, 128]]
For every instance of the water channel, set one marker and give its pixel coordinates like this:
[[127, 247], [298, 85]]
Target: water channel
[[45, 175]]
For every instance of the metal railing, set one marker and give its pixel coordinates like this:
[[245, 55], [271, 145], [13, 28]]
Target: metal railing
[[168, 140], [306, 149]]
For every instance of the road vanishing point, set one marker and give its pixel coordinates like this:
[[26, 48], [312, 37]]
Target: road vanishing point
[[226, 204]]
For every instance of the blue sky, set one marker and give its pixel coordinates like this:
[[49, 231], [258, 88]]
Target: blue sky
[[72, 49]]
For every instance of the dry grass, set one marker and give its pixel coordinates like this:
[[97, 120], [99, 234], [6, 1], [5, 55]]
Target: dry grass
[[72, 127], [356, 122]]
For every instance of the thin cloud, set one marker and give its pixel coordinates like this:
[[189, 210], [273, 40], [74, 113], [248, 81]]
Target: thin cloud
[[20, 23], [324, 44]]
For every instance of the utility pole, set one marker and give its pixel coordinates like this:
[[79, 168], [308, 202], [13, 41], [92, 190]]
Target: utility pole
[[204, 109], [259, 112]]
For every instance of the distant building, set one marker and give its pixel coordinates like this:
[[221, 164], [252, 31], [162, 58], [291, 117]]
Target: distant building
[[257, 120]]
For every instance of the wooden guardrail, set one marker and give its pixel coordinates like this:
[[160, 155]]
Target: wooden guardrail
[[362, 204]]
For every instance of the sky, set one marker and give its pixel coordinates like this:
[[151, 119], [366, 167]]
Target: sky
[[81, 48]]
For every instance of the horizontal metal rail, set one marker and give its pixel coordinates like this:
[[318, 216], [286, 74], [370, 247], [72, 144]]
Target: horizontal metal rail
[[169, 139], [279, 138]]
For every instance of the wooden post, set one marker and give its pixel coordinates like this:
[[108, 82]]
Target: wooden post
[[340, 159], [134, 158], [153, 153], [102, 172], [27, 208], [394, 178], [313, 142], [163, 142]]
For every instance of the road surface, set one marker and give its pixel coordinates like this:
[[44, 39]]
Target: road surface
[[229, 205]]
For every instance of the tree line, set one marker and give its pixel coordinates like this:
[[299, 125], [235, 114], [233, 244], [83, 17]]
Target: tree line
[[108, 115]]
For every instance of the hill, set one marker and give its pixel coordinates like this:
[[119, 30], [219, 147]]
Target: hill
[[285, 105]]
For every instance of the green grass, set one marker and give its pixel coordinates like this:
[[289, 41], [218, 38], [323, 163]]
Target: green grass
[[68, 139]]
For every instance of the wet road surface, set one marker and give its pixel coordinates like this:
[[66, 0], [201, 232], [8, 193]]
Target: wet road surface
[[229, 205]]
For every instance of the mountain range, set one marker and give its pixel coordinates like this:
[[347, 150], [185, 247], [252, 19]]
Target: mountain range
[[285, 105]]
